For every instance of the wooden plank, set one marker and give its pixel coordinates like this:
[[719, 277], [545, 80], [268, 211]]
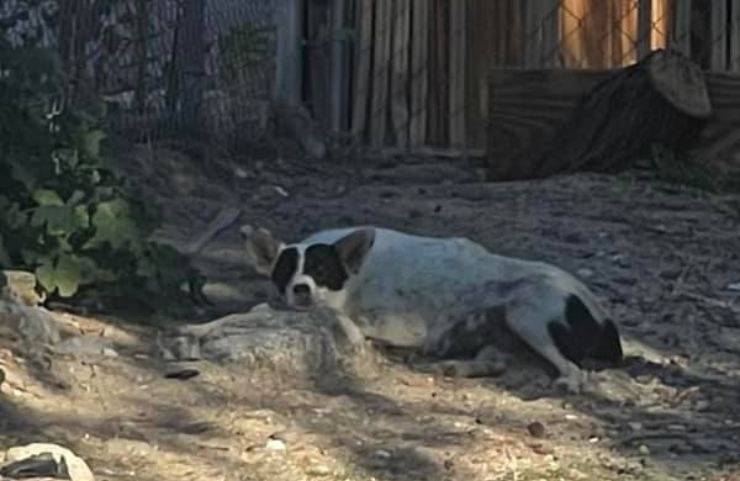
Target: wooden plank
[[439, 82], [419, 72], [339, 67], [400, 78], [644, 28], [289, 76], [363, 57], [682, 27], [735, 36], [319, 57], [718, 36], [457, 73], [379, 111], [528, 105]]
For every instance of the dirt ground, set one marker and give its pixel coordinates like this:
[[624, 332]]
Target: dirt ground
[[665, 260]]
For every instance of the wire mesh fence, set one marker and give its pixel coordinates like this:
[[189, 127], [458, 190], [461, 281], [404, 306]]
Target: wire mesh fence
[[399, 73], [160, 66]]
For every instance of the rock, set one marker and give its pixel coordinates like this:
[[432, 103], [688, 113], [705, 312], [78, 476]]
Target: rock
[[76, 467], [34, 324], [85, 346], [585, 273], [635, 426], [537, 429], [319, 470], [275, 445], [643, 449], [21, 285], [735, 286], [298, 344]]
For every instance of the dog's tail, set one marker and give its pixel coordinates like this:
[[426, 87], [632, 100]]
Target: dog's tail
[[583, 336]]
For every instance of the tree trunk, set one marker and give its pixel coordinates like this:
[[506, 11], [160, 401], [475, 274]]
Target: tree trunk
[[661, 100]]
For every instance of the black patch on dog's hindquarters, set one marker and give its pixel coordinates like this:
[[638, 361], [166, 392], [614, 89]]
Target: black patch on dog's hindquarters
[[581, 336], [285, 268], [323, 264], [609, 347]]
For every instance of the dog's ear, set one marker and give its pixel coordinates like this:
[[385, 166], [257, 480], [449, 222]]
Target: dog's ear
[[262, 248], [353, 248]]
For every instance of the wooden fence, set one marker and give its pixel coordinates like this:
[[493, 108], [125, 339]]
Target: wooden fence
[[415, 73]]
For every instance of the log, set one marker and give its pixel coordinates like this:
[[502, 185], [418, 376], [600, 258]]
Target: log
[[663, 100]]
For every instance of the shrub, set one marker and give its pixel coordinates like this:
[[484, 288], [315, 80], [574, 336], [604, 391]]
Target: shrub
[[65, 214]]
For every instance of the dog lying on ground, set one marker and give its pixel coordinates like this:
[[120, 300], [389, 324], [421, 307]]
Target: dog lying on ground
[[429, 293]]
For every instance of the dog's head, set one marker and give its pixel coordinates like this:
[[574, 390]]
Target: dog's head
[[308, 274]]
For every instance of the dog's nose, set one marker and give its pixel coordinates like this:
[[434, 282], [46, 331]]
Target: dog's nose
[[301, 289]]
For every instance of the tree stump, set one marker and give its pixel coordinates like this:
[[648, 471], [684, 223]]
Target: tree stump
[[663, 100]]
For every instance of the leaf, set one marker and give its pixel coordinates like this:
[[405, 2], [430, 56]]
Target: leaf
[[113, 224], [64, 275], [68, 275], [46, 276], [47, 197], [59, 220]]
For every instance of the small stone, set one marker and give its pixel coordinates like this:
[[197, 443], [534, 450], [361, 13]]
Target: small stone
[[542, 449], [382, 454], [536, 429], [735, 286], [702, 405], [275, 445], [571, 417], [643, 449], [635, 426], [110, 352], [585, 272], [21, 285], [77, 469], [319, 470]]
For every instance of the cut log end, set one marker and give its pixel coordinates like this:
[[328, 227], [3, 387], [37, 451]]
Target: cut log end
[[680, 82]]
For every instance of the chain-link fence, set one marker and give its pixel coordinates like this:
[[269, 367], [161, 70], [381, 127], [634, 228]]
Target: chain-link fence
[[161, 66], [615, 33]]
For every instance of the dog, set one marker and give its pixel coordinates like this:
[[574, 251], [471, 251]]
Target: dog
[[427, 293]]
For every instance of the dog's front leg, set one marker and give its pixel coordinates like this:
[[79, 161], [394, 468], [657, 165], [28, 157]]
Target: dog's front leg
[[350, 330]]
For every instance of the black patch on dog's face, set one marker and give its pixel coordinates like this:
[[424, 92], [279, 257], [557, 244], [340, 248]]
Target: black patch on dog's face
[[285, 268], [323, 264]]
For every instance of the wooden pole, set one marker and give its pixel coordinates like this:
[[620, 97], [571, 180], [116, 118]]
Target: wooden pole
[[718, 35], [379, 112], [419, 72], [289, 59], [457, 73], [363, 56], [541, 32], [339, 71], [682, 27], [644, 28], [400, 78], [735, 36]]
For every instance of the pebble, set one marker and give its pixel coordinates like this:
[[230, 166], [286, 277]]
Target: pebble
[[735, 286], [635, 426], [319, 470], [644, 449], [536, 429], [275, 445], [585, 272]]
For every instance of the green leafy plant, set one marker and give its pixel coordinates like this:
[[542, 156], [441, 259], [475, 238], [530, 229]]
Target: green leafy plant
[[64, 213]]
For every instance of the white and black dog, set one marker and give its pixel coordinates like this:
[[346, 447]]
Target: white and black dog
[[420, 292]]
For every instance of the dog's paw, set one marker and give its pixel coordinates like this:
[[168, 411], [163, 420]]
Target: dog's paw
[[574, 383]]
